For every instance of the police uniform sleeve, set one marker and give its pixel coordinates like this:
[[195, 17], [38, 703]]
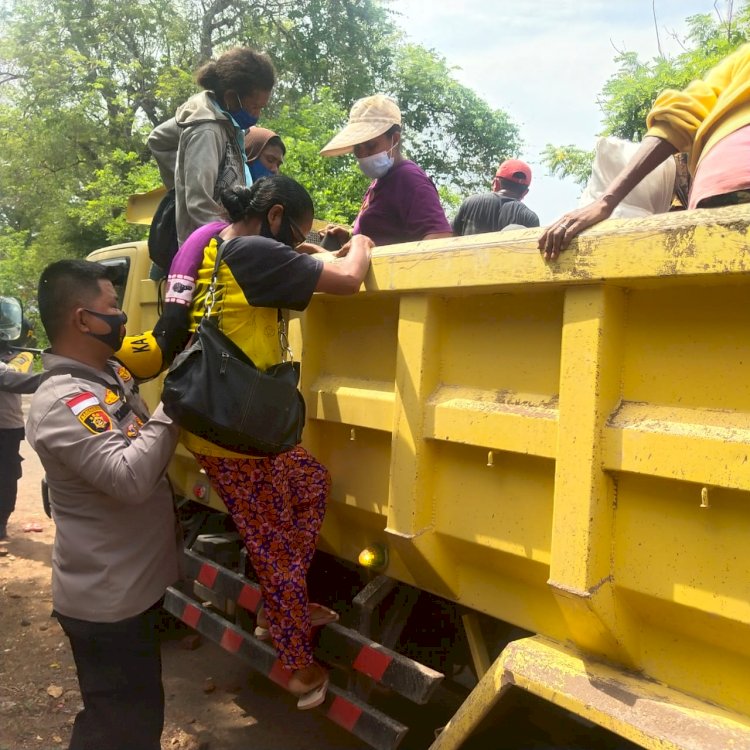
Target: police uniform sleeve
[[12, 380], [78, 431]]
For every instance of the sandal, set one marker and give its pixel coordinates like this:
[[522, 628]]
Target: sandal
[[319, 616], [314, 697], [309, 696]]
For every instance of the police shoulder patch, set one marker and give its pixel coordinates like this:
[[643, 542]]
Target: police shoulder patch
[[124, 374], [95, 419], [110, 397]]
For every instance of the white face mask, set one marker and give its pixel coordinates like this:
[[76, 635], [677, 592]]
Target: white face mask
[[377, 165]]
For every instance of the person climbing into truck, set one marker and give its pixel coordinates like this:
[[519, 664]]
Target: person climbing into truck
[[277, 502], [710, 120], [201, 150], [149, 353], [402, 202]]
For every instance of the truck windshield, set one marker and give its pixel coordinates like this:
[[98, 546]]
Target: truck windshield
[[120, 270]]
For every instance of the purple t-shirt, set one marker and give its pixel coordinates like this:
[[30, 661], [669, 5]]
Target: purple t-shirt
[[403, 206]]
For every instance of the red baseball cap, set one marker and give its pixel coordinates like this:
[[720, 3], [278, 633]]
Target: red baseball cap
[[515, 170]]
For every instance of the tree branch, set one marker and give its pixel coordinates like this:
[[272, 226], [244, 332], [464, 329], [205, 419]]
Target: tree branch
[[656, 29], [677, 39], [6, 77]]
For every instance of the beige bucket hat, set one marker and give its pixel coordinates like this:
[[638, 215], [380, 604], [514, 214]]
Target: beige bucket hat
[[368, 118]]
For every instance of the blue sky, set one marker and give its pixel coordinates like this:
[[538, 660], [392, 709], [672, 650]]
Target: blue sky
[[545, 62]]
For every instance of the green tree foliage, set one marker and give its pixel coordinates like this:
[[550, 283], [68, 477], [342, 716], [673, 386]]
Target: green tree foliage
[[82, 82], [628, 96], [336, 184], [448, 130], [568, 161], [340, 49]]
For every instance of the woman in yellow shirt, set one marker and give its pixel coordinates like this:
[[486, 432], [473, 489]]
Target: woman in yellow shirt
[[277, 502]]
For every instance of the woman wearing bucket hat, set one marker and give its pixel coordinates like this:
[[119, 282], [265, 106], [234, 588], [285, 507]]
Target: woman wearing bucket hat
[[402, 203]]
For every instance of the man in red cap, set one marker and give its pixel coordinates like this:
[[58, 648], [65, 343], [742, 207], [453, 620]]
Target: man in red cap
[[491, 212]]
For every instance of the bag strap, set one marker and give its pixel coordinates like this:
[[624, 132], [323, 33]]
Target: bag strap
[[287, 355], [211, 293]]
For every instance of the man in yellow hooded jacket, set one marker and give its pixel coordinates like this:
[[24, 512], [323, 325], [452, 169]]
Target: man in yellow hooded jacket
[[710, 121]]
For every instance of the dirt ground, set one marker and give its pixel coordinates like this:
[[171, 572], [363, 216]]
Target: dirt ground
[[214, 701]]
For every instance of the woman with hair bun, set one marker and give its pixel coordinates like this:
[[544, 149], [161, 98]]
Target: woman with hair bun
[[201, 150], [277, 502]]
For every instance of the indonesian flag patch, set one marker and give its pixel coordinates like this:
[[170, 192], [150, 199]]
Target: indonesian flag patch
[[82, 401], [90, 413]]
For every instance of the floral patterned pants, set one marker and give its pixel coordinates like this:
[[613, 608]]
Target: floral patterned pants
[[278, 504]]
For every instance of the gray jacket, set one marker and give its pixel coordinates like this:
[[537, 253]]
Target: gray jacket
[[115, 547], [200, 152]]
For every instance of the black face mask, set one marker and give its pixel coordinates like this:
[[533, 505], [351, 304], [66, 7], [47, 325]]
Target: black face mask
[[116, 334], [285, 236]]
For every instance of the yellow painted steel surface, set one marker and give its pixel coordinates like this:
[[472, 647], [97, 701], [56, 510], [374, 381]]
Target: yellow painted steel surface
[[533, 440], [632, 706], [561, 446]]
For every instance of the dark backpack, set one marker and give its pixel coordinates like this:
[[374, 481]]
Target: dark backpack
[[162, 236]]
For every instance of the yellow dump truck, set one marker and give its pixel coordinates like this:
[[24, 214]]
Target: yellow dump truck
[[541, 481]]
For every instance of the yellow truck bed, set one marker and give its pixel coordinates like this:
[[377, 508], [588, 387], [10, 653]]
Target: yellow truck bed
[[561, 446]]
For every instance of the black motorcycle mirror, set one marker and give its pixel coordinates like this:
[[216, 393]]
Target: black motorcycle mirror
[[11, 319]]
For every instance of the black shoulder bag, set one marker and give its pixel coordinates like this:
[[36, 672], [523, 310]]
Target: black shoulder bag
[[214, 390]]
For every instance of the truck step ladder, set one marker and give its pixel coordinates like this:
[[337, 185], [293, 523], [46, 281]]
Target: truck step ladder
[[336, 644]]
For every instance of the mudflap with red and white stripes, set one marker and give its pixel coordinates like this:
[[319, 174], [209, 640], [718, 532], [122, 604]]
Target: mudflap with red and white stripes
[[384, 667]]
